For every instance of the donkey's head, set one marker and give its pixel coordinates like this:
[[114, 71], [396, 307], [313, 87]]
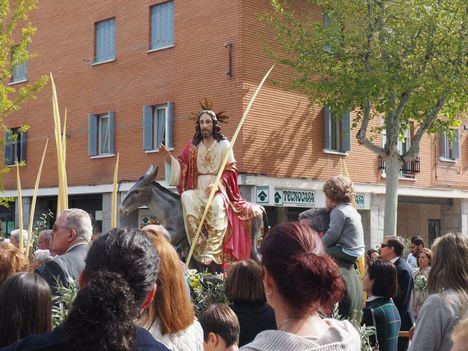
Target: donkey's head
[[140, 194]]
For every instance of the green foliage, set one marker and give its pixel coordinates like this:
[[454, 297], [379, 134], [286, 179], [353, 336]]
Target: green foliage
[[404, 60], [15, 37], [42, 223], [13, 52], [64, 301], [365, 332], [205, 289]]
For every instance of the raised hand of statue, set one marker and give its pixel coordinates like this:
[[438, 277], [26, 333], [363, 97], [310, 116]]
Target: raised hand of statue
[[165, 153]]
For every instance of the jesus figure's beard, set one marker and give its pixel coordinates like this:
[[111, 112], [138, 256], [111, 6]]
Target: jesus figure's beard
[[206, 133]]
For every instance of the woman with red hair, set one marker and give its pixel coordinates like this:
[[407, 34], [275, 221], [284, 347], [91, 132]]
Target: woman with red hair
[[302, 283]]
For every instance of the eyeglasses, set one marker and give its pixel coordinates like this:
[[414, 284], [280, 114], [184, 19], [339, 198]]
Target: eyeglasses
[[383, 245], [56, 227]]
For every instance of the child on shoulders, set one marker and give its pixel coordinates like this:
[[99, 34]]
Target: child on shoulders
[[344, 238]]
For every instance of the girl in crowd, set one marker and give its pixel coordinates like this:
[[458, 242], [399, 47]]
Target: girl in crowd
[[119, 280], [25, 307], [244, 288], [302, 282], [171, 318], [447, 302], [421, 275], [380, 284]]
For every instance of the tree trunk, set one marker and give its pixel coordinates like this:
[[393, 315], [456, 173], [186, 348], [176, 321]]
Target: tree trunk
[[392, 171]]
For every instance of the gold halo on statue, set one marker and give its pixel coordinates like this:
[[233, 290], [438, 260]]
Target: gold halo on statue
[[207, 107]]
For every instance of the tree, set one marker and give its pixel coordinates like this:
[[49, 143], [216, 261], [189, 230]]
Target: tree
[[15, 38], [402, 61]]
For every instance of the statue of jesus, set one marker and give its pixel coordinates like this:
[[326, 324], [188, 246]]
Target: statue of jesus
[[226, 231]]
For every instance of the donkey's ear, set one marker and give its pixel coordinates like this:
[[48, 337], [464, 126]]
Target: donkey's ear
[[150, 174]]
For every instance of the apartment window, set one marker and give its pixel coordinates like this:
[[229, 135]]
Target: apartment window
[[408, 169], [20, 70], [101, 134], [15, 146], [158, 124], [105, 41], [162, 25], [450, 147], [337, 132]]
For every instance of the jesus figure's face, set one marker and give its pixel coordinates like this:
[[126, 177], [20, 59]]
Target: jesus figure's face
[[206, 125]]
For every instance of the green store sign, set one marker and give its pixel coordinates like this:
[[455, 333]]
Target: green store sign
[[299, 198]]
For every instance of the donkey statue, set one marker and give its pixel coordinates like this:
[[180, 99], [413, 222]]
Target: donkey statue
[[166, 206]]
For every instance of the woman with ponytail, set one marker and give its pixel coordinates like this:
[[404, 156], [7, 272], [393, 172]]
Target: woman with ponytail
[[302, 283], [118, 282]]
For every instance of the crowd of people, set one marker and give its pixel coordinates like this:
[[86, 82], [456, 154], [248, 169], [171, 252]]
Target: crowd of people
[[134, 294]]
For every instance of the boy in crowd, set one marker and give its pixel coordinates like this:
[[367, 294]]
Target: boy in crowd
[[344, 238], [220, 328]]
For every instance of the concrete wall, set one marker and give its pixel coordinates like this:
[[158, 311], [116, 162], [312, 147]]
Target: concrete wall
[[413, 219]]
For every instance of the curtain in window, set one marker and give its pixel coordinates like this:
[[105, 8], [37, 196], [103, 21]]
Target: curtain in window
[[160, 127], [104, 135]]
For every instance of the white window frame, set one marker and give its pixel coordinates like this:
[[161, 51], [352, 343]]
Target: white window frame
[[154, 138], [104, 118], [449, 148], [19, 73], [17, 154]]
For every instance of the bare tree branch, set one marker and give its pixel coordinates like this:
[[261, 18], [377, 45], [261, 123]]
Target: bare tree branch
[[413, 151], [361, 135]]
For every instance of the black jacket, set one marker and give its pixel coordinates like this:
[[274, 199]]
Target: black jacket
[[253, 318], [403, 297]]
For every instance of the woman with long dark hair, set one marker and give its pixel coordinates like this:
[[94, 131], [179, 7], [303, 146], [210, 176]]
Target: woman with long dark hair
[[25, 307], [447, 302], [118, 282], [302, 283]]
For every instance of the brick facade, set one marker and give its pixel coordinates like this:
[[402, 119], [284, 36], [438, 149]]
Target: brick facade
[[282, 137]]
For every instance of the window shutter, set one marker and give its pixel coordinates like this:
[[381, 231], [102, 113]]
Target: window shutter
[[8, 149], [326, 128], [170, 23], [346, 132], [22, 142], [456, 144], [443, 144], [170, 125], [111, 39], [111, 132], [147, 127], [92, 135]]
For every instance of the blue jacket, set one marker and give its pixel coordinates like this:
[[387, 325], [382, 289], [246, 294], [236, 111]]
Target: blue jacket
[[57, 341]]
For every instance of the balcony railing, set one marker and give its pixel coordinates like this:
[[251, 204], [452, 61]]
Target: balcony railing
[[408, 169]]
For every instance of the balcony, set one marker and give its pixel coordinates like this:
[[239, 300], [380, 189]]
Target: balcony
[[407, 170]]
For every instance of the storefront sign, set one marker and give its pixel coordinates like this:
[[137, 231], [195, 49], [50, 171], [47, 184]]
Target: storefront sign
[[362, 201], [299, 198], [262, 195]]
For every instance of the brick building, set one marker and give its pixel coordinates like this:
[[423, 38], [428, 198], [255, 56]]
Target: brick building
[[131, 74]]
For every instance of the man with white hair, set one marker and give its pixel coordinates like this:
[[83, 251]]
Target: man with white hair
[[15, 237], [45, 237], [71, 234]]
